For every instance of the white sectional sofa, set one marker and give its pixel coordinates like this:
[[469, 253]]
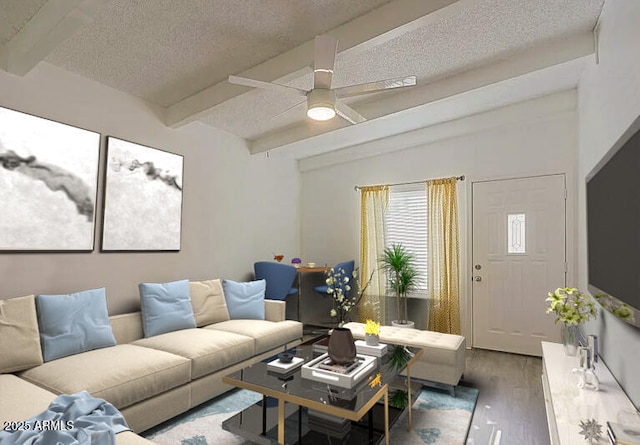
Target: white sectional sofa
[[149, 379]]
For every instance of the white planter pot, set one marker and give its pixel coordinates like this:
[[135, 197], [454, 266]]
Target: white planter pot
[[408, 324]]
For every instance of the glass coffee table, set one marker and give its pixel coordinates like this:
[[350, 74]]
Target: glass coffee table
[[300, 410]]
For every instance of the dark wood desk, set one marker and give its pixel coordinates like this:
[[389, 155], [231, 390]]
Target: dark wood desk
[[307, 269]]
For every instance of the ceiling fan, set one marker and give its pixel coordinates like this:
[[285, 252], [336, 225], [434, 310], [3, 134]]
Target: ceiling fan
[[323, 102]]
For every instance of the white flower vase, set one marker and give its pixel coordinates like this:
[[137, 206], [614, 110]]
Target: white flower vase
[[569, 335]]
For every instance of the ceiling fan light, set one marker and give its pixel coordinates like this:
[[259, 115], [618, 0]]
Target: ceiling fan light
[[321, 112], [321, 104]]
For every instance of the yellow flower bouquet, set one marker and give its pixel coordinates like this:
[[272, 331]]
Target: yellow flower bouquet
[[372, 328]]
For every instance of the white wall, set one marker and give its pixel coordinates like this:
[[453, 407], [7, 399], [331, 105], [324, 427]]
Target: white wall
[[609, 101], [533, 138], [237, 208]]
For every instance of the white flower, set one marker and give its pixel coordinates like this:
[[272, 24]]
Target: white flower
[[329, 290], [333, 313]]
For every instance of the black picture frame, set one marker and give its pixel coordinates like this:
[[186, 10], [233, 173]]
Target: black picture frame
[[48, 184], [142, 198]]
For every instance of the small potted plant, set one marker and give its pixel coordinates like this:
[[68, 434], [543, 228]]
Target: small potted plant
[[372, 333], [295, 262], [402, 275]]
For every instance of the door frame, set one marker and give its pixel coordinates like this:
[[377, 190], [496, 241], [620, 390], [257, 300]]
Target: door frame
[[571, 235]]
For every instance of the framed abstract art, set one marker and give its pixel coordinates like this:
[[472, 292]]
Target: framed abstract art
[[142, 198], [48, 184]]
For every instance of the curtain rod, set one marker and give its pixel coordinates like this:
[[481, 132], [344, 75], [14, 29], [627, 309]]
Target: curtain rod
[[358, 187]]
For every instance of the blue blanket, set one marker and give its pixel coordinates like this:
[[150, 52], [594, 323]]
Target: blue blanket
[[76, 419]]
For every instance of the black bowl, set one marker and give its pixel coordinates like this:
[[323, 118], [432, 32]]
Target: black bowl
[[285, 357]]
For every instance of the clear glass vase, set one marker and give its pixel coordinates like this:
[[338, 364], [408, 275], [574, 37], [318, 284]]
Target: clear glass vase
[[569, 335]]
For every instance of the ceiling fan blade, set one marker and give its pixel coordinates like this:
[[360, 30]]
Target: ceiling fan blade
[[288, 109], [325, 48], [372, 87], [265, 85], [349, 114]]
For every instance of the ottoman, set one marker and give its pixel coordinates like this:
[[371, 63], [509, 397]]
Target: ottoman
[[444, 354]]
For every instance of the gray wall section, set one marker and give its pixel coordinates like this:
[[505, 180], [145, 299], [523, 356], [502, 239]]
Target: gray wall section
[[620, 350], [237, 208], [609, 102]]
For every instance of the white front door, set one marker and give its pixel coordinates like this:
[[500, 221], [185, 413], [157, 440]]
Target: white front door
[[518, 256]]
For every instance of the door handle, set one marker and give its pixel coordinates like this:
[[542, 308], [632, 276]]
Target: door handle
[[477, 278]]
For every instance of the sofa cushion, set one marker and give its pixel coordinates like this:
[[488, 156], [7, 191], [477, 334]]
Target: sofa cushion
[[166, 307], [19, 337], [21, 399], [245, 300], [207, 300], [267, 335], [73, 323], [122, 374], [209, 351]]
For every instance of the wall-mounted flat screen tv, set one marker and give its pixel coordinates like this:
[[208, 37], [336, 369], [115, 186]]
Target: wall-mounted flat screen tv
[[613, 228]]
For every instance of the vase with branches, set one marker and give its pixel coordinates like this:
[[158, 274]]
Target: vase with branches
[[398, 263], [345, 298]]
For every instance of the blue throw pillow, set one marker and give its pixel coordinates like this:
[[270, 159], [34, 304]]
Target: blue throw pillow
[[73, 323], [166, 307], [245, 300]]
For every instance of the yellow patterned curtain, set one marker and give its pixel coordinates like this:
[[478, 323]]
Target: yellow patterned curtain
[[444, 253], [373, 205]]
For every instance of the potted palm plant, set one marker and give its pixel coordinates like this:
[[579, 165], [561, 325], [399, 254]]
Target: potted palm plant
[[402, 276]]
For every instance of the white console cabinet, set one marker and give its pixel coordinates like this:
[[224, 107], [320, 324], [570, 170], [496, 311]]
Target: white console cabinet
[[567, 405]]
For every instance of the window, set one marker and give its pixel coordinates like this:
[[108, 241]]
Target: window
[[406, 223], [516, 233]]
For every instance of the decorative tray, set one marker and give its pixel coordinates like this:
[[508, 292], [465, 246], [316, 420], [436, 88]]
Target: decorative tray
[[323, 369]]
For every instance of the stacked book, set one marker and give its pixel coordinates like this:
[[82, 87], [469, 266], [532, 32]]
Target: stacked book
[[376, 350], [327, 424], [620, 434], [280, 367]]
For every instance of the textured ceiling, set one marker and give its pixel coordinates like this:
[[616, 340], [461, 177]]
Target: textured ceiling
[[482, 33], [166, 50], [178, 54], [14, 14]]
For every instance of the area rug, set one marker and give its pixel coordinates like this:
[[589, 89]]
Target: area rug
[[438, 419]]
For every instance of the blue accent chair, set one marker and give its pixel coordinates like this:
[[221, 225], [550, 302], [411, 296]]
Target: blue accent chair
[[347, 267], [279, 278]]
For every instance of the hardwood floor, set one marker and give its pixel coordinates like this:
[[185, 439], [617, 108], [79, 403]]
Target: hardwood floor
[[511, 395]]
